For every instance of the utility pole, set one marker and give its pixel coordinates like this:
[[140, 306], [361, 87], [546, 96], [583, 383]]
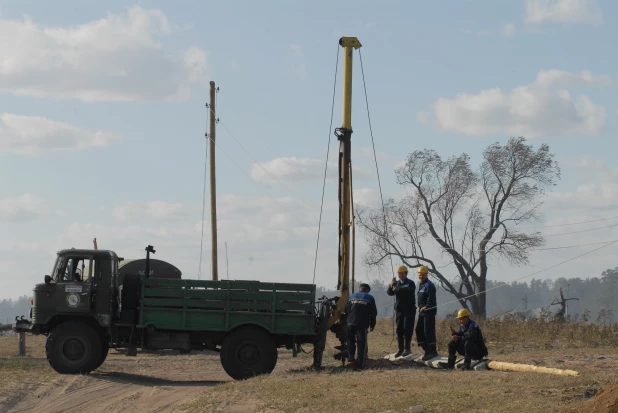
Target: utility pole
[[227, 262], [213, 184], [566, 304], [562, 302], [525, 300]]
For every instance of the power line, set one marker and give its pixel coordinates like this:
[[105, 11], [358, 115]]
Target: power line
[[261, 188], [263, 141], [547, 226], [264, 169], [529, 275], [581, 222], [545, 249], [374, 155], [573, 246], [199, 272], [330, 129], [580, 231], [545, 236]]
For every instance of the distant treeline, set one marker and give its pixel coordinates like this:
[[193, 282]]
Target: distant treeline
[[598, 295], [9, 309]]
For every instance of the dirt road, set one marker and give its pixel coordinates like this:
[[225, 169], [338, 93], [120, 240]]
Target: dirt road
[[126, 384]]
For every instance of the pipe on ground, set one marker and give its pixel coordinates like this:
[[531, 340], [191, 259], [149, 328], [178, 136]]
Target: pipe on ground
[[502, 366]]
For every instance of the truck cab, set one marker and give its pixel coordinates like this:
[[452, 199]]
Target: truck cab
[[81, 285]]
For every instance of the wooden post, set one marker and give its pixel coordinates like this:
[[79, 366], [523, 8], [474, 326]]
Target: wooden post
[[213, 184], [22, 343]]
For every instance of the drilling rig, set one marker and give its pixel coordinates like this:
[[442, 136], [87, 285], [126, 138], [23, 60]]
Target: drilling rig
[[332, 311]]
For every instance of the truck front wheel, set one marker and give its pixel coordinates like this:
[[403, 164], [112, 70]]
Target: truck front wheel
[[74, 347], [104, 351], [248, 352]]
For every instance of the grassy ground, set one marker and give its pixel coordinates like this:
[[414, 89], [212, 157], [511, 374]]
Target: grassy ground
[[396, 387], [22, 374], [383, 386]]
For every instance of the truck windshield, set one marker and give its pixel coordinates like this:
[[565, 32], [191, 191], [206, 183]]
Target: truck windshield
[[54, 273]]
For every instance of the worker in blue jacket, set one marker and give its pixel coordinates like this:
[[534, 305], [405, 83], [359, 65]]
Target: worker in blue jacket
[[404, 291], [426, 324], [468, 342], [362, 313]]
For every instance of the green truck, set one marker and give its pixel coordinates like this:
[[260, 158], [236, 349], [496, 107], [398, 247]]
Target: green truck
[[85, 307]]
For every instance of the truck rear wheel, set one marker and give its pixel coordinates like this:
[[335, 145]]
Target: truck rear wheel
[[74, 347], [248, 352]]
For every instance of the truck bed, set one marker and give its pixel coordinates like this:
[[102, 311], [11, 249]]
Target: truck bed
[[199, 305]]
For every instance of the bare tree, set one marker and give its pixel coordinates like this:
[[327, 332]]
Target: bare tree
[[468, 216], [562, 302]]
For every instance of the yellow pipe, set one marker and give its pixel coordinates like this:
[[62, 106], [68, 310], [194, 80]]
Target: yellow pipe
[[502, 366], [348, 44]]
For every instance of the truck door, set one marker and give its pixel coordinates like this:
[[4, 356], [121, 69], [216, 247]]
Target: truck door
[[74, 285]]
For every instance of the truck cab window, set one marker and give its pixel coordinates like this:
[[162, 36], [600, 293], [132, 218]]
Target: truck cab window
[[74, 269]]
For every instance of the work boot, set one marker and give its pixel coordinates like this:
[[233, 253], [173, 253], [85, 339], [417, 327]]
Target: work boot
[[430, 352], [400, 352], [406, 351], [450, 364], [466, 364]]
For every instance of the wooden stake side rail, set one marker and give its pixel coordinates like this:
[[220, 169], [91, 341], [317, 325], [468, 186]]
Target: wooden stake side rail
[[201, 305]]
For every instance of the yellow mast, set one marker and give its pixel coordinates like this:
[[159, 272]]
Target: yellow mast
[[344, 134], [337, 321]]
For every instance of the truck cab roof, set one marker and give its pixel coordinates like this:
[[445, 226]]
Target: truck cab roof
[[96, 253]]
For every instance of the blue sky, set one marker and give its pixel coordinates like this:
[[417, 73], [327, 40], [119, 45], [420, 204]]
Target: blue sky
[[102, 121]]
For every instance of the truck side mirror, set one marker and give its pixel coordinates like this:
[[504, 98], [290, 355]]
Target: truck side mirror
[[47, 279]]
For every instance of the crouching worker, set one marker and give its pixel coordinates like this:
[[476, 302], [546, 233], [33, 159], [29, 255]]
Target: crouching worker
[[362, 312], [468, 342]]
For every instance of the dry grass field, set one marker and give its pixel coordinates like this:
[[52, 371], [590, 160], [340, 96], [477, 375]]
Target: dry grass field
[[168, 381]]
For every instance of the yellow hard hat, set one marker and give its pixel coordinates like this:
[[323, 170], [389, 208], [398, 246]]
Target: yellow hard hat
[[422, 269], [402, 268], [463, 313]]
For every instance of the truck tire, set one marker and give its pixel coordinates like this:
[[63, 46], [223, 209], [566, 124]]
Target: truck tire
[[104, 351], [74, 347], [248, 352]]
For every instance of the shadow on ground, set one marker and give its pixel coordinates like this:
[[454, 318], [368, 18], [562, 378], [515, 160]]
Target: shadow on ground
[[142, 380], [376, 364]]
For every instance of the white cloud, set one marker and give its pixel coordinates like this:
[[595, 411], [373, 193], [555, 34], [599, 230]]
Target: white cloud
[[366, 196], [32, 135], [599, 193], [296, 48], [152, 210], [563, 11], [19, 246], [367, 152], [508, 30], [23, 208], [479, 33], [195, 63], [535, 110], [116, 58], [292, 170], [549, 78], [298, 61], [297, 170]]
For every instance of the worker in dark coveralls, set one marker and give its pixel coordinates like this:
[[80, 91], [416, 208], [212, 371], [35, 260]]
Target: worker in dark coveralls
[[468, 342], [426, 325], [404, 291], [362, 313]]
